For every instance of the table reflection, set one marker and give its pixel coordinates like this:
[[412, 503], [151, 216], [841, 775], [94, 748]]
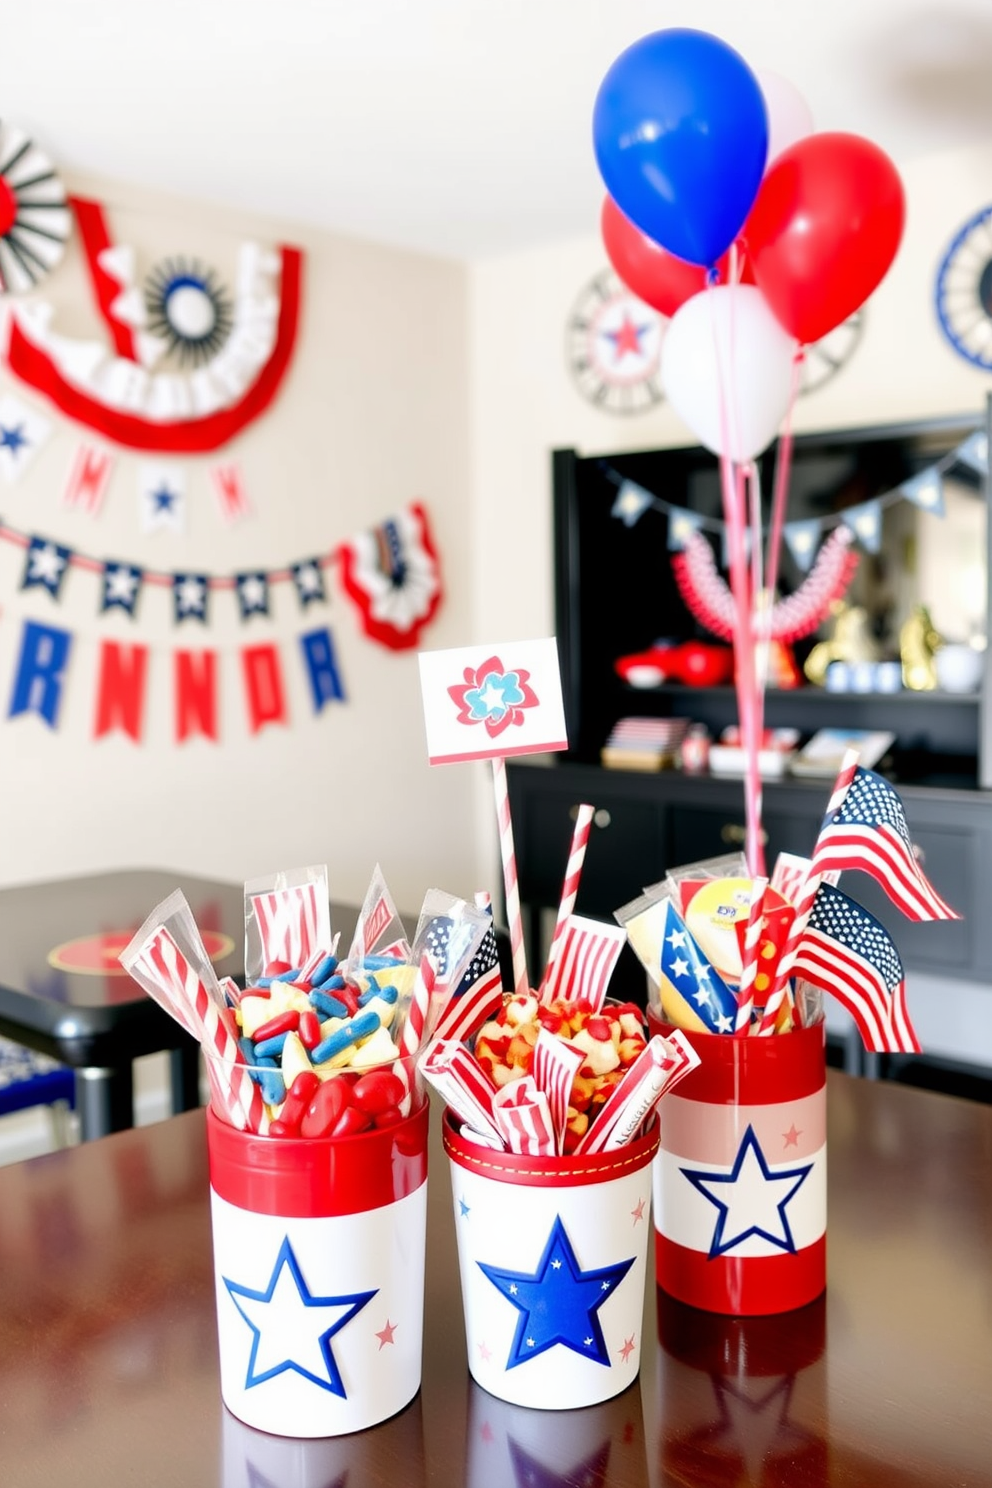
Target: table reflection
[[511, 1446], [741, 1400], [253, 1459]]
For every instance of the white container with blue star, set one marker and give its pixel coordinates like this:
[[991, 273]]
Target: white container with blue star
[[319, 1248], [552, 1253]]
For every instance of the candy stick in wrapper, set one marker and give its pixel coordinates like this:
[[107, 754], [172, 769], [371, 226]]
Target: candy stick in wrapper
[[585, 962], [570, 888], [749, 959], [457, 1077], [662, 1063], [378, 919], [156, 963], [458, 937], [287, 919], [555, 1065], [523, 1118]]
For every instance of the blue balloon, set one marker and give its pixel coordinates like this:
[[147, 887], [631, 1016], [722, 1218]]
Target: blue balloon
[[680, 130]]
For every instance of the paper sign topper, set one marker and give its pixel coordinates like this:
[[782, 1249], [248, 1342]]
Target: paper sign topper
[[483, 702]]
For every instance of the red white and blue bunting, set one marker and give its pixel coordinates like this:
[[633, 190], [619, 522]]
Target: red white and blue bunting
[[391, 575]]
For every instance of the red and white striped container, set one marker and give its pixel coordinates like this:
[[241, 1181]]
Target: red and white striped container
[[552, 1253], [740, 1181], [319, 1266]]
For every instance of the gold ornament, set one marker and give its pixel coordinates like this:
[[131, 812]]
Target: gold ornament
[[919, 642]]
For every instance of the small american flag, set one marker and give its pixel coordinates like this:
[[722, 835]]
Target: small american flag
[[480, 988], [868, 830], [585, 963], [846, 951]]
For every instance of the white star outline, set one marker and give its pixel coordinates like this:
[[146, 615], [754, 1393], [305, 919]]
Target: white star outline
[[46, 565], [750, 1206], [122, 584], [292, 1328]]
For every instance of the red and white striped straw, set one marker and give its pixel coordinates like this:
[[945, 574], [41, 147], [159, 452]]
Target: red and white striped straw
[[779, 989], [749, 957], [804, 907], [510, 884], [573, 873], [418, 1011]]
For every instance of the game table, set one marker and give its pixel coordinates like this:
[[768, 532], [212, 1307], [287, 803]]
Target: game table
[[108, 1355]]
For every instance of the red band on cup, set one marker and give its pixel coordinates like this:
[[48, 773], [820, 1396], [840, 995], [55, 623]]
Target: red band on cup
[[743, 1286], [317, 1177], [752, 1071], [548, 1172]]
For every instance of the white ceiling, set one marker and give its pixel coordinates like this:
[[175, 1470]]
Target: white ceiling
[[457, 127]]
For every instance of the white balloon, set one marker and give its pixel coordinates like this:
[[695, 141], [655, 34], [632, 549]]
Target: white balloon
[[789, 117], [727, 369]]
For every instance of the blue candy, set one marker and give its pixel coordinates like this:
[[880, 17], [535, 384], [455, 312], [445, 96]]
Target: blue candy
[[324, 969], [380, 963], [359, 1027], [387, 994], [328, 1006], [269, 1047], [329, 984], [273, 1087]]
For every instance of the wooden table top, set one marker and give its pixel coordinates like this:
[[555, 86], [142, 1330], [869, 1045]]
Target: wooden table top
[[108, 1359]]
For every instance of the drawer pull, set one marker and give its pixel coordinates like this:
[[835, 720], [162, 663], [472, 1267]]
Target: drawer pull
[[601, 818], [736, 835]]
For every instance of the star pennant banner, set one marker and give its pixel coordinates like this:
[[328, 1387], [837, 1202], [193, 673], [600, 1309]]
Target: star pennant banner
[[22, 433]]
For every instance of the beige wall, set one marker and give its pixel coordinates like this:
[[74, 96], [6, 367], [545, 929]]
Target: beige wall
[[373, 414], [413, 377]]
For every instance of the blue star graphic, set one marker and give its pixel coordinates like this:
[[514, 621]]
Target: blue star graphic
[[559, 1303], [163, 499], [750, 1204], [464, 1208], [13, 438], [494, 695], [281, 1336]]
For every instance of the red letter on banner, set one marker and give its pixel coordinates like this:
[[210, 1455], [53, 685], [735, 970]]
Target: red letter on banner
[[121, 697], [231, 492], [263, 684], [196, 694], [88, 479]]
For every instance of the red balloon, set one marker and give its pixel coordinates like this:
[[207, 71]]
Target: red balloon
[[824, 228], [652, 273]]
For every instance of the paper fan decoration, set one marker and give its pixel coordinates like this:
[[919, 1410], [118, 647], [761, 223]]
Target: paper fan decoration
[[35, 221], [189, 309]]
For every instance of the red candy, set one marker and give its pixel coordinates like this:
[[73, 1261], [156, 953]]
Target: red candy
[[309, 1030], [282, 1023], [377, 1092], [324, 1111], [351, 1121]]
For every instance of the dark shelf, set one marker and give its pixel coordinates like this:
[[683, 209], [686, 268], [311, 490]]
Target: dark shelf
[[814, 695]]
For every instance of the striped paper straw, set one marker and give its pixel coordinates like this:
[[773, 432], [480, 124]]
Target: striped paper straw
[[523, 1117], [556, 1063], [511, 887], [779, 989], [570, 888], [749, 958], [418, 1011]]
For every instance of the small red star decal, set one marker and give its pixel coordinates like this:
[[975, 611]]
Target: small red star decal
[[638, 1213], [485, 1352], [386, 1334], [792, 1136], [627, 338], [627, 1350]]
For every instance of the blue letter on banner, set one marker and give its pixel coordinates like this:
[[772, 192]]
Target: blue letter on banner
[[44, 655], [322, 668]]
